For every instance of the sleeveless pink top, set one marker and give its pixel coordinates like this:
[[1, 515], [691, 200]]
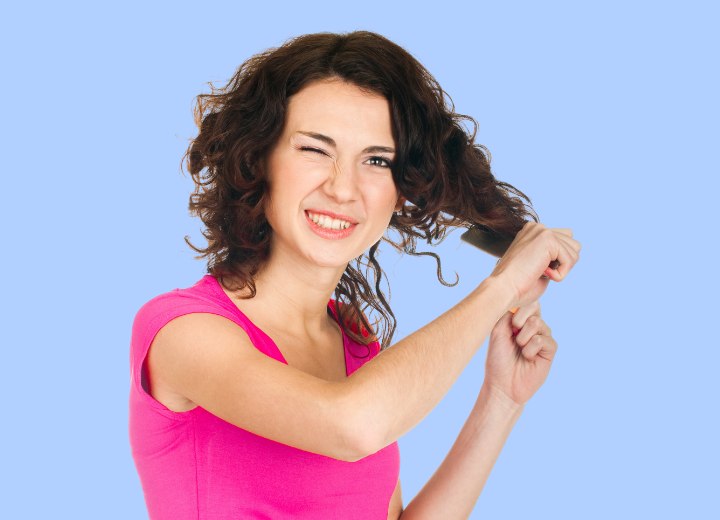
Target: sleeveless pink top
[[194, 465]]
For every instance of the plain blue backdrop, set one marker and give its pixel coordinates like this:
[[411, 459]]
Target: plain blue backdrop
[[604, 113]]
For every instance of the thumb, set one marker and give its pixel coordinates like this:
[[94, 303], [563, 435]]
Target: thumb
[[504, 326]]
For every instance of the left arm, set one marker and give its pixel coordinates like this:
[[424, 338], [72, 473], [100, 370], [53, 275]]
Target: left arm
[[456, 485], [519, 355]]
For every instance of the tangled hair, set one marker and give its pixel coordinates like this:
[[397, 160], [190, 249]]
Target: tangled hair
[[444, 177]]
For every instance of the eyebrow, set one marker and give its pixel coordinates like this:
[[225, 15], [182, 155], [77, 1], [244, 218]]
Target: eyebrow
[[330, 141]]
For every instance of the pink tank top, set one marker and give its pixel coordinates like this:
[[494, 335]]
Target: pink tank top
[[194, 465]]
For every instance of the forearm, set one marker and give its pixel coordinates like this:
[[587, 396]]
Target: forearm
[[394, 392], [455, 487]]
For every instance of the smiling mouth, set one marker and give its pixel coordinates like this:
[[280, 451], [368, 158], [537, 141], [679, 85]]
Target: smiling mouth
[[326, 222]]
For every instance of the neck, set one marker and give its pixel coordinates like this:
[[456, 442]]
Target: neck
[[294, 293]]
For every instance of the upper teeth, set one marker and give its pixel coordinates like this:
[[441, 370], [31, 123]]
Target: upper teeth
[[328, 222]]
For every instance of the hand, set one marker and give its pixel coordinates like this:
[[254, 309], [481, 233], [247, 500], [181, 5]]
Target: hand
[[524, 268], [520, 351]]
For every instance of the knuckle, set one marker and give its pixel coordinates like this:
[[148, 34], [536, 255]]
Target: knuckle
[[547, 233]]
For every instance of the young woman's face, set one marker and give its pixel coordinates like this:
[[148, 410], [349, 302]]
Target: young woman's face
[[331, 188]]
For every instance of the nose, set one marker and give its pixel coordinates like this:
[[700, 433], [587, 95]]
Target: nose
[[341, 182]]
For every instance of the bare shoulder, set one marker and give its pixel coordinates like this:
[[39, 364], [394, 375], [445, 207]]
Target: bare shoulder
[[188, 334], [179, 344]]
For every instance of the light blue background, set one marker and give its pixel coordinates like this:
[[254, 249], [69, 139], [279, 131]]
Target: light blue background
[[605, 113]]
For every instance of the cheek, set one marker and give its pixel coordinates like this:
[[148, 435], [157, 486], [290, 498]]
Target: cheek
[[300, 179], [385, 197], [270, 212], [291, 183]]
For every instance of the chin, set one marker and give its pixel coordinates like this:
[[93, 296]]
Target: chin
[[329, 259], [330, 262]]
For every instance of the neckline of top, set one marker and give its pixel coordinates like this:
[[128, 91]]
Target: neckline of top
[[217, 288]]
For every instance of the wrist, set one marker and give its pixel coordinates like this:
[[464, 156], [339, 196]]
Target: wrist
[[496, 399], [502, 293]]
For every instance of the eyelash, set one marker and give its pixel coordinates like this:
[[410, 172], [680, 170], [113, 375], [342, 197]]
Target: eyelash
[[387, 164]]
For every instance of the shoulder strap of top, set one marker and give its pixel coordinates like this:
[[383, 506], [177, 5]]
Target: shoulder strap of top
[[356, 354]]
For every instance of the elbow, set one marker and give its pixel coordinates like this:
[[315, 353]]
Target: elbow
[[345, 445], [358, 446], [362, 433], [352, 442], [357, 450]]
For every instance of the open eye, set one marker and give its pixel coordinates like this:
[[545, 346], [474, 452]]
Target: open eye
[[380, 161]]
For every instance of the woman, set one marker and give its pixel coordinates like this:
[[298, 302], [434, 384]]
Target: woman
[[253, 393]]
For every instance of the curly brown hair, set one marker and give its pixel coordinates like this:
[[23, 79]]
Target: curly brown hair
[[442, 174]]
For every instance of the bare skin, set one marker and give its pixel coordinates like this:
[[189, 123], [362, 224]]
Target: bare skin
[[205, 360]]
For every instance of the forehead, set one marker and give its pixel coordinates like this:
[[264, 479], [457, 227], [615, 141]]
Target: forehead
[[340, 109]]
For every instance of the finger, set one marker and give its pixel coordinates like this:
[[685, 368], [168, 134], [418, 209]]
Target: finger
[[567, 257], [571, 242], [540, 346], [532, 348], [565, 231], [569, 249], [524, 312], [549, 348], [568, 241], [534, 326], [505, 322], [565, 251]]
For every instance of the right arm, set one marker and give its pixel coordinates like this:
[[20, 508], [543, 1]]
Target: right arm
[[212, 362], [405, 382], [408, 380]]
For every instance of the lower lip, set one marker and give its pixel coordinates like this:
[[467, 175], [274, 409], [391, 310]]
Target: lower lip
[[332, 234]]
